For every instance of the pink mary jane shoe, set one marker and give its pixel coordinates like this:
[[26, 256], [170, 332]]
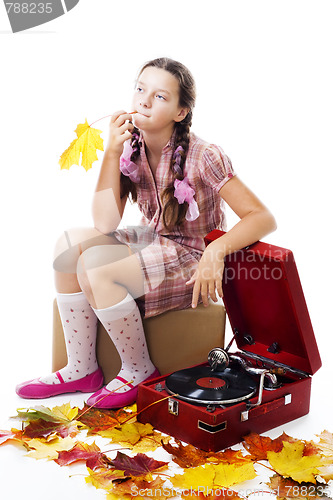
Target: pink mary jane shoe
[[35, 389], [108, 399]]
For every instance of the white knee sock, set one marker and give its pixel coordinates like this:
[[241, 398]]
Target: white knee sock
[[124, 325], [80, 327]]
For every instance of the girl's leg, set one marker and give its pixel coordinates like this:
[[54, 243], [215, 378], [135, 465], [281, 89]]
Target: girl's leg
[[70, 246], [111, 289], [78, 318]]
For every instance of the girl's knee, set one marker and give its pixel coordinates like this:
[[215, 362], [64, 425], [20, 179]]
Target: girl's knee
[[91, 275], [74, 237], [70, 245], [90, 268]]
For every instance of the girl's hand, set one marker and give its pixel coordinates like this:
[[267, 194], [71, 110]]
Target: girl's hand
[[207, 278], [120, 130]]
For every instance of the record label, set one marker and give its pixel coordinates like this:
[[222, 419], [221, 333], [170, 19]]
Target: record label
[[211, 382]]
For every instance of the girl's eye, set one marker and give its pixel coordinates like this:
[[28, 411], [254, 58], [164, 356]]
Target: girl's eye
[[159, 96], [139, 89]]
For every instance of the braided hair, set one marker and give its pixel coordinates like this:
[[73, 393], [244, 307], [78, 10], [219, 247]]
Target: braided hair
[[173, 212], [126, 185]]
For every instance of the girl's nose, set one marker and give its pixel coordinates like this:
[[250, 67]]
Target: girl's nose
[[145, 103]]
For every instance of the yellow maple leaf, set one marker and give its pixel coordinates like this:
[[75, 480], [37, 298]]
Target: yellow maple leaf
[[199, 477], [49, 449], [128, 434], [228, 474], [326, 473], [87, 142], [149, 443], [290, 462], [65, 411], [325, 444], [211, 476], [103, 478]]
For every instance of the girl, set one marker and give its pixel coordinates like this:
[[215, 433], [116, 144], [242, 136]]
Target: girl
[[180, 183]]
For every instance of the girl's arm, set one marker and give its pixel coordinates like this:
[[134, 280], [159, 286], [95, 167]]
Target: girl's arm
[[256, 222], [108, 207]]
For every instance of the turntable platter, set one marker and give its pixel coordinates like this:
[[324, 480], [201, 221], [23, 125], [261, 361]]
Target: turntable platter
[[201, 385]]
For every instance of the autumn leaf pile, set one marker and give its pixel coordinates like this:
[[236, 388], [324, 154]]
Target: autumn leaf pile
[[300, 469]]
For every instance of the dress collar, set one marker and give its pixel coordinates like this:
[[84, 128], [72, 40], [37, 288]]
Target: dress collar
[[169, 145]]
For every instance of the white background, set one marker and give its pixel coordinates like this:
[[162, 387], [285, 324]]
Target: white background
[[264, 79]]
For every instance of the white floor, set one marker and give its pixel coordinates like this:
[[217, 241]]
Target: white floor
[[33, 479]]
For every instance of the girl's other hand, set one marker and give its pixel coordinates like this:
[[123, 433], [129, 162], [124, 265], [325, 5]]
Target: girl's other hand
[[120, 130], [207, 279]]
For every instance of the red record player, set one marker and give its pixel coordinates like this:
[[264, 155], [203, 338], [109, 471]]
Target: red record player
[[262, 385]]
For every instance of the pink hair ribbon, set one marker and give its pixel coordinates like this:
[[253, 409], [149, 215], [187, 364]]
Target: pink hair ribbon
[[128, 167], [184, 192]]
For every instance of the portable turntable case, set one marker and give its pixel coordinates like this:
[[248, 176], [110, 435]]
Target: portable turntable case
[[270, 320]]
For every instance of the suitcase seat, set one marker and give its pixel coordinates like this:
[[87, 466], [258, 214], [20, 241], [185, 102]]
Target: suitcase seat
[[176, 339]]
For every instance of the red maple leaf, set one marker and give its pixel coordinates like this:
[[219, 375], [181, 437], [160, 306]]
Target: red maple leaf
[[43, 428], [139, 465], [91, 454]]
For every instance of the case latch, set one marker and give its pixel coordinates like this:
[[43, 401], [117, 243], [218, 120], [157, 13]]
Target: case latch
[[173, 406]]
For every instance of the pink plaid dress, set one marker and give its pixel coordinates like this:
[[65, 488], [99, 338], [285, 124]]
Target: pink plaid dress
[[169, 258]]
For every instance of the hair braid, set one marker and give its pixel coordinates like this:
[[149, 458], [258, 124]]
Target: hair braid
[[173, 212], [128, 186]]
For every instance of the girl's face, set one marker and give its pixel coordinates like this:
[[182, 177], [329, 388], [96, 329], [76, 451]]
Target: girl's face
[[156, 100]]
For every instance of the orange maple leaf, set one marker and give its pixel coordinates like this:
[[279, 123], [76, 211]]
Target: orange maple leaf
[[132, 487], [13, 435], [190, 456], [185, 456], [99, 420], [288, 488], [258, 445]]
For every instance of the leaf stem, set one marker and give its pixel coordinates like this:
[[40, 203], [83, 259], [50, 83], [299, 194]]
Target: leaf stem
[[101, 399], [259, 463], [148, 406], [131, 113], [106, 116]]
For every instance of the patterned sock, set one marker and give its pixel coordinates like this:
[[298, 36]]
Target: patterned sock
[[80, 329], [124, 325]]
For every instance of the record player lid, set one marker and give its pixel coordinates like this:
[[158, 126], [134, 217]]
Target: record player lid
[[265, 304]]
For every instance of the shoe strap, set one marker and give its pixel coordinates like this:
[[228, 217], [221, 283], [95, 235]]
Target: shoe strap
[[60, 377], [125, 382]]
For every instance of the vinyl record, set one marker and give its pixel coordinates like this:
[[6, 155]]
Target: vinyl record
[[201, 385]]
